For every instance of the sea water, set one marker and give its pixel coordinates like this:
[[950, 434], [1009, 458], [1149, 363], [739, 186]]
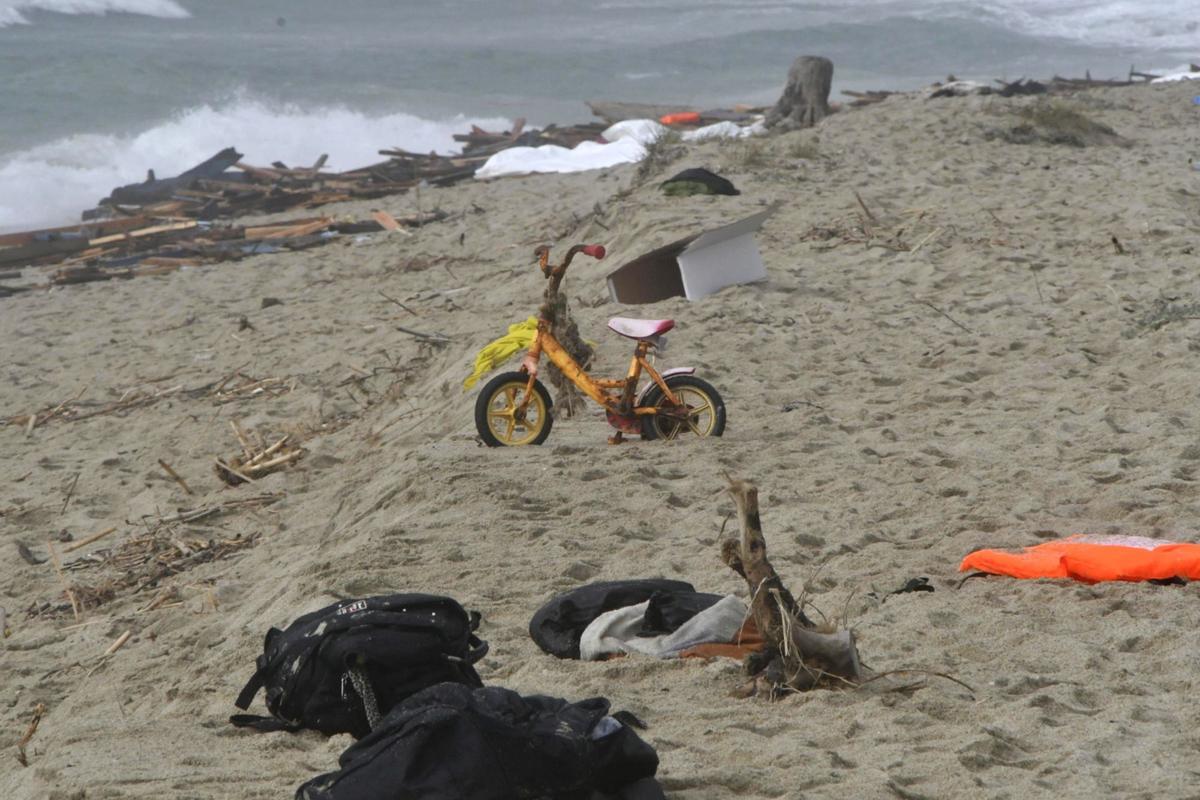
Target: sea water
[[95, 92]]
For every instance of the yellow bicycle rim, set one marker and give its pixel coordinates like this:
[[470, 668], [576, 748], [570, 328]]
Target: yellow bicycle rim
[[701, 418], [502, 414]]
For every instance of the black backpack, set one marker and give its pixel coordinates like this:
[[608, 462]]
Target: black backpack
[[338, 670], [451, 742]]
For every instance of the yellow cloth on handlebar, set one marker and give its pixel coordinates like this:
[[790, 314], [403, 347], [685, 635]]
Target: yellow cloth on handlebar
[[519, 337]]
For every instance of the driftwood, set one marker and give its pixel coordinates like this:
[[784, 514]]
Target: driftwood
[[158, 249], [255, 462], [152, 190], [798, 656], [564, 328], [867, 98], [805, 98], [612, 111]]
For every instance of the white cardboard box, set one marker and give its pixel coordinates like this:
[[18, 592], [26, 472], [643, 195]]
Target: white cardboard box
[[693, 267]]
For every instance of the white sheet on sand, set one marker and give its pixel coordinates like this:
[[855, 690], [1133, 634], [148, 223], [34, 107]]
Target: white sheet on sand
[[625, 144], [616, 631], [647, 130], [552, 158]]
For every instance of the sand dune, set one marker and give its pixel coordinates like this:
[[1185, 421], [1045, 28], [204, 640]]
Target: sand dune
[[898, 408]]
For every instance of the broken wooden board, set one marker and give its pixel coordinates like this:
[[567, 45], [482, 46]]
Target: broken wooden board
[[386, 221], [88, 230], [143, 232], [34, 251]]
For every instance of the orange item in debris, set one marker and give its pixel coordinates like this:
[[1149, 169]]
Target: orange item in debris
[[680, 118], [1093, 559], [747, 641]]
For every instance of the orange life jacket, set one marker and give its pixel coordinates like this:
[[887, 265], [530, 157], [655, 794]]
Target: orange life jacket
[[1092, 559], [680, 118]]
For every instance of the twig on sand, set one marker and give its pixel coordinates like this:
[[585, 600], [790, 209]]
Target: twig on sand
[[57, 562], [255, 463], [119, 643], [241, 437], [193, 514], [70, 494], [248, 389], [112, 648], [950, 678], [439, 338], [223, 468], [167, 468], [869, 216], [85, 542], [397, 302], [947, 316], [928, 238], [38, 712]]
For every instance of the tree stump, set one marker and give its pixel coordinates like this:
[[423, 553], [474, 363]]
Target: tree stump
[[798, 656], [805, 98]]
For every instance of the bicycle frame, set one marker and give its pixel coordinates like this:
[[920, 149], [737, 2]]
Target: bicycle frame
[[616, 402]]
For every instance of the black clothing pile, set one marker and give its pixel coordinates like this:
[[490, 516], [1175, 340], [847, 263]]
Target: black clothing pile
[[451, 742], [558, 626], [697, 181]]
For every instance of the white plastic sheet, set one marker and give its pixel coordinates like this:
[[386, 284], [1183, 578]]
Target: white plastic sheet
[[640, 130], [552, 158], [626, 144], [725, 130]]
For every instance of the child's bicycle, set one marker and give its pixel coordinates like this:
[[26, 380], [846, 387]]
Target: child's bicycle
[[515, 409]]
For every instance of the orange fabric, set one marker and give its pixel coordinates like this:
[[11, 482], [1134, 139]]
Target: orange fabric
[[1092, 560], [681, 118], [746, 642]]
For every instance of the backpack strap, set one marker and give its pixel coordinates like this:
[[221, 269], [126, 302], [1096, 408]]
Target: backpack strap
[[246, 696], [262, 665], [263, 724], [476, 649], [362, 687]]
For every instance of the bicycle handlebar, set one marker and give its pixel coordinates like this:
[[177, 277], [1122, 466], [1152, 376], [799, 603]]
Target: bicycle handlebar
[[596, 251]]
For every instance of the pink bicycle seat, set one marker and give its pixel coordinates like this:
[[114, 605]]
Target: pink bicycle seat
[[640, 328]]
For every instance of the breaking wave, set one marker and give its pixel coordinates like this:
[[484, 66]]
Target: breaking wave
[[10, 10], [1161, 24], [1164, 24], [52, 183]]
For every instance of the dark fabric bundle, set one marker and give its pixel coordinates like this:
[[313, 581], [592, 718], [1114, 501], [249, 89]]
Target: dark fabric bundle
[[709, 182], [667, 611], [450, 742], [557, 626]]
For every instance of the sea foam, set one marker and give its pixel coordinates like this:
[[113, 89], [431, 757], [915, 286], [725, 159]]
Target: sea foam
[[10, 10], [52, 183]]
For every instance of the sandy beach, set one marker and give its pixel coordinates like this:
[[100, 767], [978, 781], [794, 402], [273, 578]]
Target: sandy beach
[[998, 385]]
